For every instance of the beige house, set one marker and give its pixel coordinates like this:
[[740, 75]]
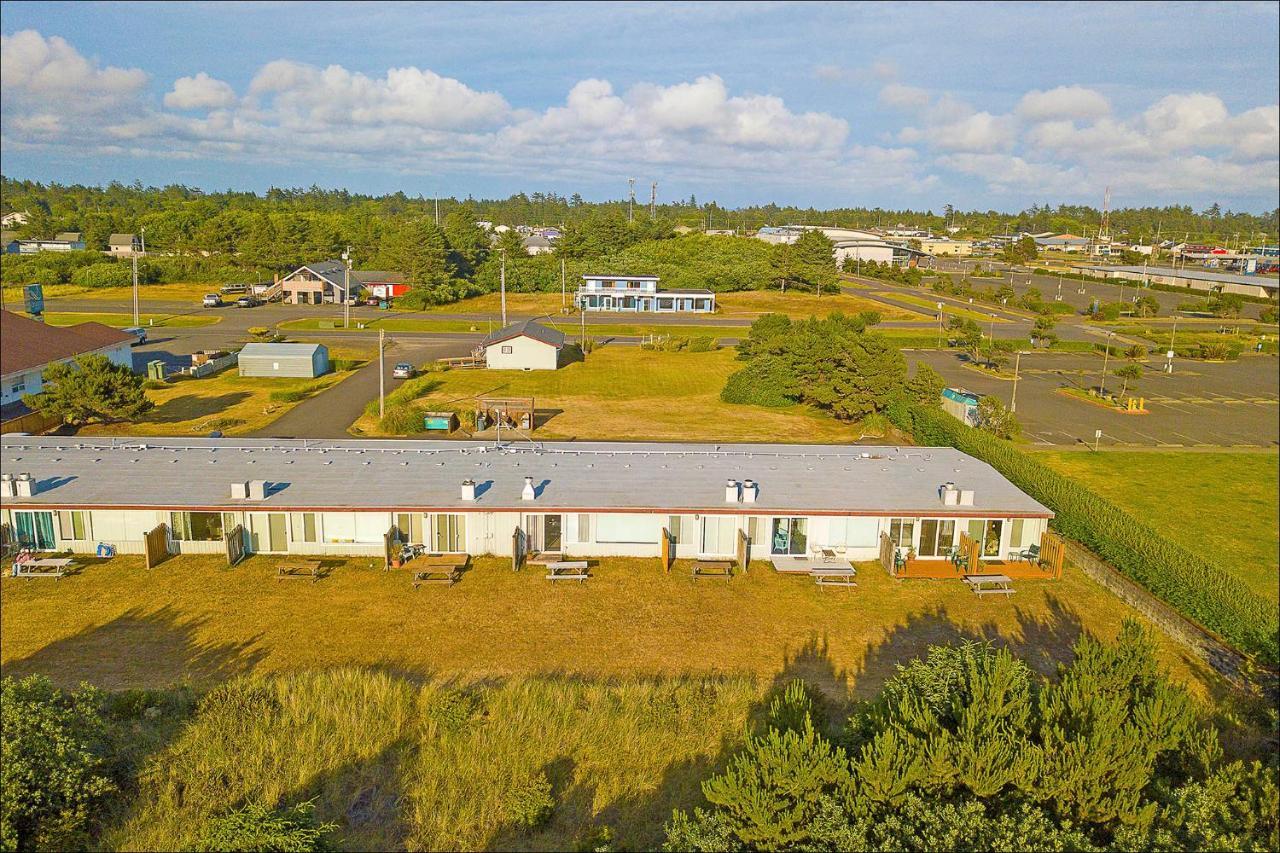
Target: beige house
[[946, 248], [526, 345], [317, 284], [123, 245]]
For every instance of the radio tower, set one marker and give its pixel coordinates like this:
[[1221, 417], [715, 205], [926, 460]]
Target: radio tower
[[653, 200], [1104, 229], [631, 205]]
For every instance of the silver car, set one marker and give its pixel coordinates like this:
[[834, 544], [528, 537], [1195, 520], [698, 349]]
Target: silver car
[[403, 370]]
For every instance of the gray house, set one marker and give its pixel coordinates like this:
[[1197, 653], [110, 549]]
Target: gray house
[[294, 360]]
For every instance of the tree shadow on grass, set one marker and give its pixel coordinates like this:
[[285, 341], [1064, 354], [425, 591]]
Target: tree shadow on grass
[[191, 406], [140, 648]]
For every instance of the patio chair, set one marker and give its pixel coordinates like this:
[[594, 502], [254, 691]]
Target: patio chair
[[899, 561], [1029, 554]]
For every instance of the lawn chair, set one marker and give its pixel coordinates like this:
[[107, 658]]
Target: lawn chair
[[1028, 555], [899, 561]]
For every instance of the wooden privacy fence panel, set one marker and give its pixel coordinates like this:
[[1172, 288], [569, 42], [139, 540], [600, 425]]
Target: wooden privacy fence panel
[[666, 550], [744, 551], [886, 553], [156, 545], [970, 550], [519, 545], [235, 545], [1052, 552]]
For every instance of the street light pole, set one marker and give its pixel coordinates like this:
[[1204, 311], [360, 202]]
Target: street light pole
[[502, 286], [992, 334], [135, 290], [1017, 360], [939, 325], [564, 293], [1106, 352]]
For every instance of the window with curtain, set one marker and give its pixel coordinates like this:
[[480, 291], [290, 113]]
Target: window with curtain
[[371, 526], [584, 527], [853, 532], [196, 526], [902, 532], [719, 534], [302, 526], [75, 524], [1017, 533], [624, 528], [339, 527]]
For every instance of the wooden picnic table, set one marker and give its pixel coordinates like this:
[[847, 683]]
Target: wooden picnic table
[[835, 577], [443, 569], [990, 584], [48, 567], [305, 569], [712, 569], [567, 570]]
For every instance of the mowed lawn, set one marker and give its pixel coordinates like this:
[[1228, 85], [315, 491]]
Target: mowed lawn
[[121, 321], [624, 392], [1221, 505], [118, 625], [226, 401]]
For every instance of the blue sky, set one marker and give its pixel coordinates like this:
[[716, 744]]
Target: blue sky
[[977, 105]]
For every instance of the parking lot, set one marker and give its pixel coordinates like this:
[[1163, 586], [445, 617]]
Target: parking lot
[[1201, 403]]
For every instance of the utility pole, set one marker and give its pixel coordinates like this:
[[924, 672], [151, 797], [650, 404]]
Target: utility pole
[[437, 201], [502, 285], [993, 329], [346, 289], [631, 203], [1106, 352], [1017, 360], [382, 375], [564, 292], [135, 290], [144, 239], [653, 200], [939, 325]]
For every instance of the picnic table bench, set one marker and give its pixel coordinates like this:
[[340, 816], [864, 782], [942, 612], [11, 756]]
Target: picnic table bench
[[305, 569], [49, 567], [712, 569], [990, 584], [443, 569], [834, 577], [567, 570]]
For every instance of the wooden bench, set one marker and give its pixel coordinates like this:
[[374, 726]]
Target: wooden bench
[[834, 577], [304, 569], [50, 567], [990, 584], [712, 569], [567, 570]]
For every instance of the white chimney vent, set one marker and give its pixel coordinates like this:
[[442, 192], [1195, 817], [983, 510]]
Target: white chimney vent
[[7, 488], [966, 497], [468, 490], [257, 490], [950, 494], [529, 493], [731, 491], [749, 491], [24, 486], [240, 491]]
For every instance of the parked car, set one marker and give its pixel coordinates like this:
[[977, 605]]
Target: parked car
[[138, 332], [403, 370], [212, 300], [249, 301]]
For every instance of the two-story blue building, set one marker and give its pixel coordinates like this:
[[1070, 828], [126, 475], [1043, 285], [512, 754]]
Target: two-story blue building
[[640, 293]]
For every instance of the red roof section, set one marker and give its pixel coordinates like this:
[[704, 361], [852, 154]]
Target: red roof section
[[27, 343]]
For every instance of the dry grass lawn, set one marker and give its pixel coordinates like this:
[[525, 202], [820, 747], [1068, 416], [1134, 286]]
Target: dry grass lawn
[[174, 291], [119, 625], [122, 321], [803, 305], [634, 394], [226, 401]]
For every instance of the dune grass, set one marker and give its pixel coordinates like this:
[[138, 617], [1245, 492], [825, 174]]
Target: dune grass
[[1223, 506], [800, 304], [627, 393]]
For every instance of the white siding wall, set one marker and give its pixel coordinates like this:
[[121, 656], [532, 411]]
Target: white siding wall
[[33, 379], [526, 354]]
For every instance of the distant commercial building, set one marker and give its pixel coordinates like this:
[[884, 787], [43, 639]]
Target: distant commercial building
[[527, 345], [65, 241], [381, 284], [299, 361], [325, 282], [1063, 243], [1193, 279], [952, 248]]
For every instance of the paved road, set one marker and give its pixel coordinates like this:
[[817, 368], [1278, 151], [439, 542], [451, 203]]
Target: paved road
[[330, 413]]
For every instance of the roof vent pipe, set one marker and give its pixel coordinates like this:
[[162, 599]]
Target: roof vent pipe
[[7, 487], [966, 497], [24, 486], [749, 490], [257, 490], [468, 490], [240, 491], [950, 494], [528, 494], [731, 491]]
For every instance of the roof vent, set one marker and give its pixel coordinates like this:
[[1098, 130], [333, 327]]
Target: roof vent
[[240, 491], [731, 491], [950, 494], [468, 490], [966, 497], [24, 486], [7, 488], [749, 490], [528, 493]]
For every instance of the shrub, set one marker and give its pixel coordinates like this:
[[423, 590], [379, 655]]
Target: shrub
[[1269, 314], [1201, 590], [401, 420], [107, 274], [702, 343], [528, 802], [256, 827], [295, 394], [259, 331], [155, 384], [759, 384], [52, 777], [340, 365]]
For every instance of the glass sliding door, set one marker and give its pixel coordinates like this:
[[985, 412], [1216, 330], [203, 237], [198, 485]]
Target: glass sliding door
[[790, 536], [34, 530], [449, 532], [936, 536], [988, 534]]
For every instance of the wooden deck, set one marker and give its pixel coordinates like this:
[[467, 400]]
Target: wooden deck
[[946, 570]]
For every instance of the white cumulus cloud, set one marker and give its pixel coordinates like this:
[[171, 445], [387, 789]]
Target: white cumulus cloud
[[1064, 102], [34, 68], [200, 92]]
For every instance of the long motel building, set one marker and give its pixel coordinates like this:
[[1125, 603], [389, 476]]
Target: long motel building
[[598, 499]]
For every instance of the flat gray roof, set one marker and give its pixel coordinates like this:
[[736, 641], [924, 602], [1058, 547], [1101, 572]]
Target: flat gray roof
[[570, 476], [1196, 274]]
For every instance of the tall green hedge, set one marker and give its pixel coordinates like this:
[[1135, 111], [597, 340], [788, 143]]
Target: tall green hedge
[[1201, 590]]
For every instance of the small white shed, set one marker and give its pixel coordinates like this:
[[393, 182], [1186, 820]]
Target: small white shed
[[526, 345], [293, 360]]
